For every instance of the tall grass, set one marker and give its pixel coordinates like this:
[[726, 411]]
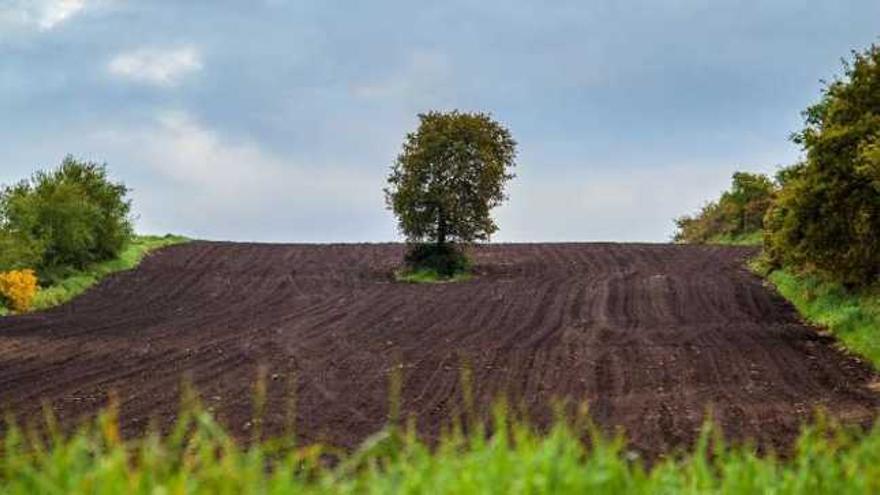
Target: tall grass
[[200, 457], [76, 283]]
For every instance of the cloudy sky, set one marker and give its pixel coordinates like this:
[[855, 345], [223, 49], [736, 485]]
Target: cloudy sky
[[278, 120]]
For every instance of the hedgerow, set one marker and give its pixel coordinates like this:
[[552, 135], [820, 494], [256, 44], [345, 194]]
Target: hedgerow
[[827, 215], [739, 212]]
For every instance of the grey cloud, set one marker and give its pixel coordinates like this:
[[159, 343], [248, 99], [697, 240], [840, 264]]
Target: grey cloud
[[627, 113]]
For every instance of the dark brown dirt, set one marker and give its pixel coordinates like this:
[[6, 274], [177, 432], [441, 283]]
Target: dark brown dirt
[[649, 335]]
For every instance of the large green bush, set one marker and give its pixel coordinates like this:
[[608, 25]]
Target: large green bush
[[445, 259], [827, 215], [738, 213], [64, 219]]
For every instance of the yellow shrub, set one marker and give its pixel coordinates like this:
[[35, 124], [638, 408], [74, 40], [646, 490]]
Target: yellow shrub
[[18, 287]]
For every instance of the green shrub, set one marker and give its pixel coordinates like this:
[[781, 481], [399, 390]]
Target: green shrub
[[71, 216], [827, 215], [445, 260]]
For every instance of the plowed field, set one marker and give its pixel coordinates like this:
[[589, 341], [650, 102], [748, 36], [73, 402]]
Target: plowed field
[[649, 335]]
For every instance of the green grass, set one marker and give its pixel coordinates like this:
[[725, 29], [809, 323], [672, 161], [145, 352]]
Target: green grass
[[77, 283], [427, 276], [200, 457], [854, 317], [751, 239]]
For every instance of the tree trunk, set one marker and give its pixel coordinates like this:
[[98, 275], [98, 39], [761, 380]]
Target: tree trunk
[[441, 227]]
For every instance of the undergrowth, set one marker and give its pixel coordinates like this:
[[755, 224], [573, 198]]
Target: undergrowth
[[78, 282], [428, 276], [755, 238], [431, 263], [199, 456]]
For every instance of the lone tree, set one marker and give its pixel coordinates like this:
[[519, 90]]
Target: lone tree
[[445, 182]]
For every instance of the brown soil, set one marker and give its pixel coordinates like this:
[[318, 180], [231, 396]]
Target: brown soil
[[651, 336]]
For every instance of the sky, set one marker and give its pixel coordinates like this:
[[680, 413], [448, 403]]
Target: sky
[[278, 120]]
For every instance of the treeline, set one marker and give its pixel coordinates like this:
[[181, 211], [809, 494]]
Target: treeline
[[822, 214], [737, 216]]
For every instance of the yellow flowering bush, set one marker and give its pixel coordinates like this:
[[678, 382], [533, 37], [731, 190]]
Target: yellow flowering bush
[[18, 288]]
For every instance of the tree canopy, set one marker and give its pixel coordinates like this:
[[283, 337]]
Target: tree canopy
[[449, 176], [63, 218]]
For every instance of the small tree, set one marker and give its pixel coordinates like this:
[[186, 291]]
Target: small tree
[[444, 184], [64, 218]]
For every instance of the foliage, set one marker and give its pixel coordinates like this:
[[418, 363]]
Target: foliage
[[72, 216], [429, 276], [18, 251], [18, 288], [444, 260], [827, 215], [450, 175], [76, 283], [755, 238], [198, 456], [852, 315], [738, 214]]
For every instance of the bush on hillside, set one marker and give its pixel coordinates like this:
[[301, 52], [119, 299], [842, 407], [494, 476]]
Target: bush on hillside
[[18, 289], [65, 218], [827, 215], [445, 259], [739, 212]]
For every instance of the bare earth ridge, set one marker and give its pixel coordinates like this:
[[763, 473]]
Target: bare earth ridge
[[649, 335]]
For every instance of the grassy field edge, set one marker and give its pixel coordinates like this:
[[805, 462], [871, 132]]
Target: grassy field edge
[[76, 284], [852, 316]]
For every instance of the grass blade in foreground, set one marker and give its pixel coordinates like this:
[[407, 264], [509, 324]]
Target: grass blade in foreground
[[202, 458]]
